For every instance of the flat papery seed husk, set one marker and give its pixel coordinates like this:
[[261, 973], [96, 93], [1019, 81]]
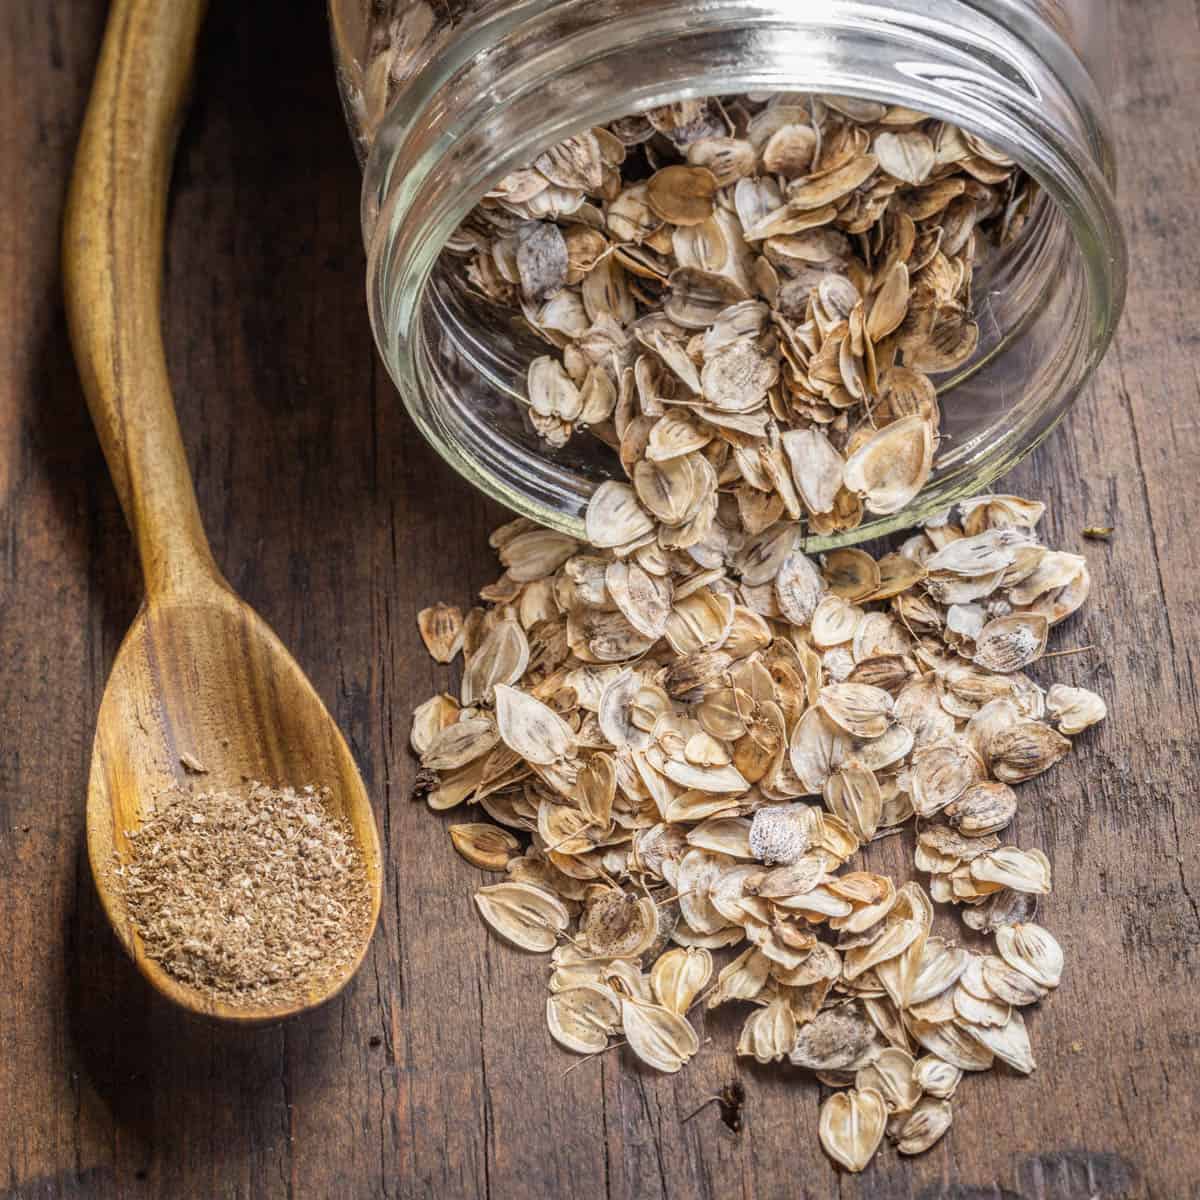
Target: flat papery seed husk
[[1033, 951], [822, 966], [890, 305], [769, 1033], [574, 163], [429, 719], [743, 978], [1008, 1042], [596, 788], [853, 795], [850, 573], [1012, 643], [835, 622], [729, 159], [946, 841], [531, 729], [583, 1018], [892, 466], [1021, 870], [736, 379], [941, 773], [748, 632], [670, 490], [789, 150], [660, 1038], [835, 1039], [908, 156], [721, 780], [936, 1077], [798, 588], [951, 1044], [816, 467], [723, 835], [886, 1018], [1074, 709], [551, 391], [851, 1127], [985, 807], [643, 599], [501, 658], [682, 195], [818, 747], [614, 517], [938, 1010], [616, 924], [781, 833], [698, 872], [524, 915], [899, 934], [974, 1011], [441, 629], [1025, 750], [939, 968], [488, 847], [536, 554], [877, 754], [722, 713], [616, 714], [759, 559], [926, 1125], [857, 708], [1008, 984], [793, 880], [676, 433], [679, 976], [459, 744], [891, 1075], [699, 621]]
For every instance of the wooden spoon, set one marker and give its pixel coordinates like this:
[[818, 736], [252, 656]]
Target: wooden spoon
[[199, 677]]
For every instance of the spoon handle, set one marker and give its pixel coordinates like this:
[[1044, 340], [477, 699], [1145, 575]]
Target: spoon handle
[[112, 271]]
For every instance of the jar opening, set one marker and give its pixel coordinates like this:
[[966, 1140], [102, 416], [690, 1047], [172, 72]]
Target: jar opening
[[1045, 304]]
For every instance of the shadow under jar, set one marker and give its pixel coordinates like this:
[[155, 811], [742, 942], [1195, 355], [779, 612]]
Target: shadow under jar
[[447, 97]]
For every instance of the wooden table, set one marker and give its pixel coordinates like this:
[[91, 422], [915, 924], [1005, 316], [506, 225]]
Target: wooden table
[[433, 1076]]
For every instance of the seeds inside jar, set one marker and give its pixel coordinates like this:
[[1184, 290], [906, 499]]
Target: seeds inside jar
[[753, 297]]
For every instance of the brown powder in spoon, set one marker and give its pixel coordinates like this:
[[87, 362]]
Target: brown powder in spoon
[[251, 895]]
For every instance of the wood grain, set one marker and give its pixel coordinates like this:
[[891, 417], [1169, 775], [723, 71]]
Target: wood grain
[[432, 1076]]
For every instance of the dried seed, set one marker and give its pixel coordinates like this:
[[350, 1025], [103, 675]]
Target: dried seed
[[926, 1125], [851, 1127], [583, 1018], [441, 630], [527, 916], [487, 847], [660, 1038]]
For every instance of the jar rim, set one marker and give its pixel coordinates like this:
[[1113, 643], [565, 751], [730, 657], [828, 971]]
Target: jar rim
[[978, 66]]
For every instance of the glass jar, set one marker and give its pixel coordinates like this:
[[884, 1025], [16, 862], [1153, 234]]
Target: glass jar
[[446, 97]]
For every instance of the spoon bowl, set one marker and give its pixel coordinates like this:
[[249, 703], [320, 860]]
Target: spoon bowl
[[205, 683]]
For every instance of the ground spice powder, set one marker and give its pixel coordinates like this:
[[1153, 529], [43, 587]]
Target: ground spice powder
[[250, 895]]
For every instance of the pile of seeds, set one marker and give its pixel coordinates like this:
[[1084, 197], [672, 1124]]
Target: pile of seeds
[[682, 753], [252, 896], [746, 298]]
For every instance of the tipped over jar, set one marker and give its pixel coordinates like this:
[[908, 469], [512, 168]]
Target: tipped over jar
[[832, 265]]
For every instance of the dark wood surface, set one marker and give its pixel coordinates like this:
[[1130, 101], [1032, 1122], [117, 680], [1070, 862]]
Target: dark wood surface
[[433, 1076]]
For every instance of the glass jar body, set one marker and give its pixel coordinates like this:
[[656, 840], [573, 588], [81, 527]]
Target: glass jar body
[[444, 101]]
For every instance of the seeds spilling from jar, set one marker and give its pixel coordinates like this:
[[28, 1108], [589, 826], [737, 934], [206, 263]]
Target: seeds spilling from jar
[[683, 753], [748, 298]]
